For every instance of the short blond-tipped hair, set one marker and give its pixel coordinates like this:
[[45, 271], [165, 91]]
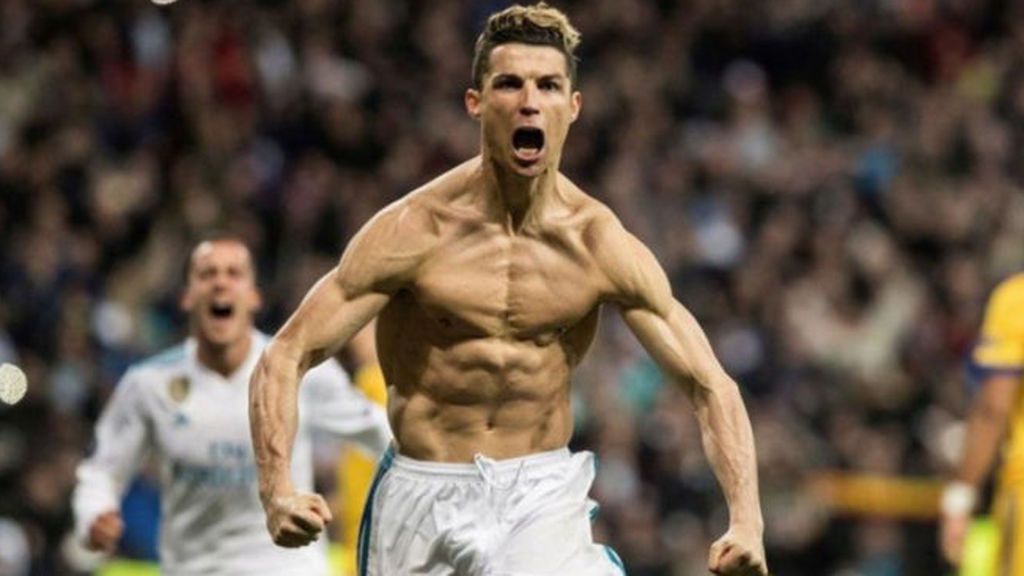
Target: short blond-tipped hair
[[540, 25]]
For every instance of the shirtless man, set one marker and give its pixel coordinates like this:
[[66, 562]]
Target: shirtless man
[[487, 283]]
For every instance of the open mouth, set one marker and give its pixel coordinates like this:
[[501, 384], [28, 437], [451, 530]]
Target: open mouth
[[528, 142], [221, 310]]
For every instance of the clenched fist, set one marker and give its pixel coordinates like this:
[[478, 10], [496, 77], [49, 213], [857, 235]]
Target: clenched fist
[[105, 532], [738, 554], [297, 519]]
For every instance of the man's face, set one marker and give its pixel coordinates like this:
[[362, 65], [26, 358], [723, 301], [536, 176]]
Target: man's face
[[220, 296], [525, 107]]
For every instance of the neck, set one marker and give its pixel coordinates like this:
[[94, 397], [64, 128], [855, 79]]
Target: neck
[[223, 359], [517, 196]]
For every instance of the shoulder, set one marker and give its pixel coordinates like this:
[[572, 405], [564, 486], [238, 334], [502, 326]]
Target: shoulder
[[151, 376], [596, 222], [601, 230], [1009, 292], [162, 365], [1006, 304], [166, 358], [417, 216], [387, 251], [1002, 332], [421, 209], [405, 215], [632, 274]]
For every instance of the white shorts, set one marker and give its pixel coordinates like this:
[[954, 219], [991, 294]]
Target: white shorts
[[516, 517]]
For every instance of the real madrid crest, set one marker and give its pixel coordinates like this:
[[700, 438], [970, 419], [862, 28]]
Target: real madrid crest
[[178, 389]]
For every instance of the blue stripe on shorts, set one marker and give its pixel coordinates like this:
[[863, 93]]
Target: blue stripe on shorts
[[366, 523], [614, 557]]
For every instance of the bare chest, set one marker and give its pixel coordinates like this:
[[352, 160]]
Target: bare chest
[[509, 286]]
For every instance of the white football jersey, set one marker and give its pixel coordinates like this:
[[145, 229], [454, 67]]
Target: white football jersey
[[196, 423]]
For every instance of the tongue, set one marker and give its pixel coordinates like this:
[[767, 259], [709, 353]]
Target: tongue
[[527, 153]]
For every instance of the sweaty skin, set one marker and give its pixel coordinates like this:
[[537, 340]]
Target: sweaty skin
[[487, 283]]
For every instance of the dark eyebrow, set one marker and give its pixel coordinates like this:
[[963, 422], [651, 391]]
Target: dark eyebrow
[[554, 80], [504, 77]]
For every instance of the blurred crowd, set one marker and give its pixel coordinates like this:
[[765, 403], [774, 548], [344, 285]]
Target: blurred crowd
[[832, 186]]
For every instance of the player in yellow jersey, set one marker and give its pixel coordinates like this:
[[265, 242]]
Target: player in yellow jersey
[[998, 361]]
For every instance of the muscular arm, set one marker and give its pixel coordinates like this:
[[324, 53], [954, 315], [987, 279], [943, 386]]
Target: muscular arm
[[325, 320], [376, 263], [677, 343]]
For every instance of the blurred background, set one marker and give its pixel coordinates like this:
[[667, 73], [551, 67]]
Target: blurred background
[[833, 187]]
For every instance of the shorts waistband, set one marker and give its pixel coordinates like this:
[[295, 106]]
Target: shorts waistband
[[472, 470]]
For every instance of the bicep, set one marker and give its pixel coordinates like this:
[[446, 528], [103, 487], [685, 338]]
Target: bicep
[[666, 329], [328, 316], [378, 262], [676, 342]]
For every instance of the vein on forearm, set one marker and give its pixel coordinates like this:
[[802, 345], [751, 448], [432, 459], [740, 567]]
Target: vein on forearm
[[274, 406], [728, 441]]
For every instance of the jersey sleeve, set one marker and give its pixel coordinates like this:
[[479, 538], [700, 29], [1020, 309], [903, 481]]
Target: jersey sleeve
[[123, 438], [331, 404], [1000, 345]]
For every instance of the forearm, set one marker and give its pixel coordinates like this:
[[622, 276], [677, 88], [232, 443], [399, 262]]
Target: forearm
[[273, 416], [97, 492], [985, 428], [729, 444], [986, 424], [681, 349], [122, 441]]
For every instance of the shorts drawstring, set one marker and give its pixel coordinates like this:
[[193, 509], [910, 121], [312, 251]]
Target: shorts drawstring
[[486, 467]]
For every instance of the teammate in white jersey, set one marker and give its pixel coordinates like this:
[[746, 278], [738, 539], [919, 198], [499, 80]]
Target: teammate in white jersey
[[188, 407]]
